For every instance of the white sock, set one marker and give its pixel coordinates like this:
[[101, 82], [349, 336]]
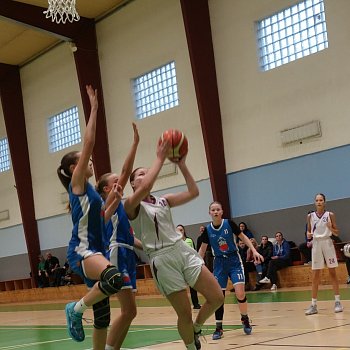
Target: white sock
[[80, 306], [337, 297], [191, 346], [109, 347], [313, 302], [197, 327]]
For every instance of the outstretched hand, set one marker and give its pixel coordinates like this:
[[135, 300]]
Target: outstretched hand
[[258, 258], [163, 149], [136, 134], [118, 191], [92, 96]]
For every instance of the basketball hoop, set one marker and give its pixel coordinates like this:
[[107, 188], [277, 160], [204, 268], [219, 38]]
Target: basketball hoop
[[61, 11]]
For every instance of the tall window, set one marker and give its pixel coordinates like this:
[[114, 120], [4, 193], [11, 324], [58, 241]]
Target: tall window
[[291, 34], [155, 91], [4, 155], [64, 130]]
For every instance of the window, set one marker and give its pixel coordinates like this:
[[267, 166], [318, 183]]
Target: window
[[64, 130], [4, 155], [155, 91], [291, 34]]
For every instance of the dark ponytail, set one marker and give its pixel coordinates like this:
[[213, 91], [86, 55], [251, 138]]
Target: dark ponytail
[[63, 171]]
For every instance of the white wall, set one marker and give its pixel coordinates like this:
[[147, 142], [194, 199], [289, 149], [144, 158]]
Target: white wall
[[257, 105]]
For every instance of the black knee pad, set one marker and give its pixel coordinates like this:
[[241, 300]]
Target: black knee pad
[[111, 281], [242, 301], [102, 314]]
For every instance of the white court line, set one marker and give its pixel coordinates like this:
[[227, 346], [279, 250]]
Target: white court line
[[19, 346]]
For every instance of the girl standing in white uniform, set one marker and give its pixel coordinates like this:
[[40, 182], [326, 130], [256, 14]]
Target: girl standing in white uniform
[[174, 264], [321, 226]]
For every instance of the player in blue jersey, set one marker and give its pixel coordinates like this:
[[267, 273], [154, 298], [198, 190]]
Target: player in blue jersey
[[227, 262], [121, 250], [86, 249]]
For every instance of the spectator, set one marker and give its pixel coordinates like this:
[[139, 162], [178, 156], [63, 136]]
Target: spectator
[[244, 229], [279, 260], [52, 267], [249, 263], [208, 257], [306, 247], [266, 250], [43, 276], [189, 242]]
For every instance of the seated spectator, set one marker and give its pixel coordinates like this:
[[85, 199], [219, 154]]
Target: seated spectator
[[66, 274], [279, 260], [242, 250], [306, 247], [52, 267], [266, 250], [250, 265], [244, 229], [43, 277]]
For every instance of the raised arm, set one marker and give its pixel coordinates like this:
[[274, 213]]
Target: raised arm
[[149, 177], [130, 158], [175, 199], [79, 173]]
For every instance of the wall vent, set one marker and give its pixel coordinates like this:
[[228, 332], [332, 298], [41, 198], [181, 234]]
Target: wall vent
[[4, 215], [168, 169], [301, 132]]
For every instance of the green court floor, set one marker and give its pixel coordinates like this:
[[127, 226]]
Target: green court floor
[[56, 337]]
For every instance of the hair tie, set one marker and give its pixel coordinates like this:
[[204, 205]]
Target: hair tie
[[63, 172]]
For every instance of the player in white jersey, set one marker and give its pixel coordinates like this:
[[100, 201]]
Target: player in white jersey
[[321, 226], [174, 264]]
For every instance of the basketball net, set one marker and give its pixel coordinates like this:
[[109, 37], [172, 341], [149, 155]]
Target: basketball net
[[61, 11]]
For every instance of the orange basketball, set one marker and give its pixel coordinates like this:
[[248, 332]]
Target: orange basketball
[[179, 144]]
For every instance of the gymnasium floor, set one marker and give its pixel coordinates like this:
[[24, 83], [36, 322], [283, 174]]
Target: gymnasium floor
[[277, 317]]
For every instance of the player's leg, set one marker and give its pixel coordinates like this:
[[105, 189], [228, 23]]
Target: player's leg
[[181, 304], [120, 326]]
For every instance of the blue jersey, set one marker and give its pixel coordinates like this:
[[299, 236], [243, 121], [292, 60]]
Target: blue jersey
[[89, 234], [119, 229], [221, 239]]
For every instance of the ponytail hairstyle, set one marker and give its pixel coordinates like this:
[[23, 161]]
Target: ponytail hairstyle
[[101, 183], [63, 171], [215, 202]]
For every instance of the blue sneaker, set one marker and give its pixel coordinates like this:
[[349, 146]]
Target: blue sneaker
[[218, 334], [246, 325], [74, 323]]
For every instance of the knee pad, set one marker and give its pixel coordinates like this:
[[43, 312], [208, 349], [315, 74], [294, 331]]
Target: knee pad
[[111, 281], [102, 314], [243, 300]]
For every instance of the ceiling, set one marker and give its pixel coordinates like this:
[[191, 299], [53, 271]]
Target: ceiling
[[20, 43]]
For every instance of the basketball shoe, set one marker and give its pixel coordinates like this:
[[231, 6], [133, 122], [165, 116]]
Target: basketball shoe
[[338, 307], [247, 328], [311, 310], [74, 323], [218, 334], [197, 342]]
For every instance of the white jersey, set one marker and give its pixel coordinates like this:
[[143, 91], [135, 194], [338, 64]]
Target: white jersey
[[154, 226], [319, 226]]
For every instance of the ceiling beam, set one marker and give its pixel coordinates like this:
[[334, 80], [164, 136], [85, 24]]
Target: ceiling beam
[[12, 105], [200, 45], [83, 34]]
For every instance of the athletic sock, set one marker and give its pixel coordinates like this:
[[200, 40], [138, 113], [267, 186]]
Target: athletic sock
[[109, 347], [80, 306], [218, 324], [337, 297], [188, 346], [313, 302]]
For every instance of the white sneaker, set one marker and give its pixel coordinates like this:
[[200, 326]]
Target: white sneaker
[[338, 307], [274, 287], [265, 280], [311, 310]]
